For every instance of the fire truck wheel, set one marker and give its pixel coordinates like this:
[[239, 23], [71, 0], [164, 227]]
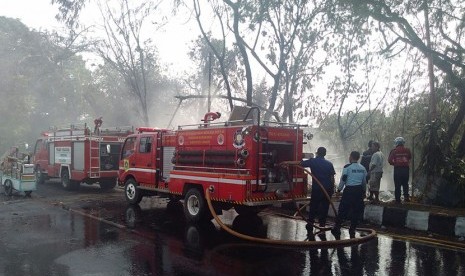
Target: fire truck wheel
[[67, 183], [40, 177], [131, 192], [8, 187], [195, 206]]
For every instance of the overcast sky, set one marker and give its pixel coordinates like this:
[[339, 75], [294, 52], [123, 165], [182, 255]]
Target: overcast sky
[[172, 43], [37, 14]]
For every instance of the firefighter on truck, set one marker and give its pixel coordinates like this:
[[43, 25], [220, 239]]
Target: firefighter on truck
[[237, 161]]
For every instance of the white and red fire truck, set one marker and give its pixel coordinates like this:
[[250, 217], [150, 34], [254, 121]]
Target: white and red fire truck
[[237, 160], [78, 154]]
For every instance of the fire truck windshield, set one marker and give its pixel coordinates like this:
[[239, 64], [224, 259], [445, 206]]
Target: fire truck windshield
[[128, 148]]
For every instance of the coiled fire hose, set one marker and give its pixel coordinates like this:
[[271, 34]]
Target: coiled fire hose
[[324, 192], [321, 187], [307, 243]]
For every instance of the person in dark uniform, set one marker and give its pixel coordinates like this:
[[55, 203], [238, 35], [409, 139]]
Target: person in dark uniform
[[353, 182], [323, 170], [366, 158]]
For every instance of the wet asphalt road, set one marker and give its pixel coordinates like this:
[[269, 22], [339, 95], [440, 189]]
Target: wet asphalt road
[[91, 232]]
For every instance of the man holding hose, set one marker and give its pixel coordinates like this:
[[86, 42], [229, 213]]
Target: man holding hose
[[323, 170]]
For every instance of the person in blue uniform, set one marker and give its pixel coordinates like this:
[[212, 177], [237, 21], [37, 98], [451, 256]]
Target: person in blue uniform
[[353, 182], [323, 170]]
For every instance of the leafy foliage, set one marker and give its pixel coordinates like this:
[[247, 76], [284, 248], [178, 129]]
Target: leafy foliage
[[41, 85]]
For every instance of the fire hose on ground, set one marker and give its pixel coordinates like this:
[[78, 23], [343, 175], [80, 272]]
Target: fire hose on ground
[[306, 243]]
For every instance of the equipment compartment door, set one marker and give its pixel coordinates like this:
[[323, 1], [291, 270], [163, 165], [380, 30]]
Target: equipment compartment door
[[78, 156]]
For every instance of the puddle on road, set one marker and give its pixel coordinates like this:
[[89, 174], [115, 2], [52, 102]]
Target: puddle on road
[[158, 241], [206, 249]]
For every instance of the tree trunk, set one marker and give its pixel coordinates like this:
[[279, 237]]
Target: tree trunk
[[242, 50]]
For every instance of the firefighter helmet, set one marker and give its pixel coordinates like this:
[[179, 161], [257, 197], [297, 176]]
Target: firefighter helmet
[[399, 141]]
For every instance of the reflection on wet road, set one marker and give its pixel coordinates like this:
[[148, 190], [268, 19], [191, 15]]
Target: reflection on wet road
[[39, 238]]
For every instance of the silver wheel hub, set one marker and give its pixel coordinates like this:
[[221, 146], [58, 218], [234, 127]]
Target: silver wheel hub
[[193, 205], [131, 191]]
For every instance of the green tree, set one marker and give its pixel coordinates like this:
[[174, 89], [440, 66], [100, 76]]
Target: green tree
[[42, 82], [442, 45], [275, 38]]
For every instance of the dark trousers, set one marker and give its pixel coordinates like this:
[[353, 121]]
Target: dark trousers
[[319, 206], [351, 203], [401, 177]]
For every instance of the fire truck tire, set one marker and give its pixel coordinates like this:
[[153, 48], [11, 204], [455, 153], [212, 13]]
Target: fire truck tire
[[67, 183], [131, 192], [40, 177], [8, 187], [195, 206]]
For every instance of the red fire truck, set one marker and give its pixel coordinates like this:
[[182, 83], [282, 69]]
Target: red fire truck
[[237, 160], [77, 154]]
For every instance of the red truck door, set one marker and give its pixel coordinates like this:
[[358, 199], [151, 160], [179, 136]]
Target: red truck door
[[145, 161], [40, 153]]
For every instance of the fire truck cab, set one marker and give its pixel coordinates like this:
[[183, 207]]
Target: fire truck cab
[[77, 154], [237, 161]]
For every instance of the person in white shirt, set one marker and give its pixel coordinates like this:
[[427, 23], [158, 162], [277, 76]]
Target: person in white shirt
[[376, 172]]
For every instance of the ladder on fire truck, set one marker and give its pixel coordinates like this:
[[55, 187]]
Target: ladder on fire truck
[[94, 157], [95, 143], [158, 161]]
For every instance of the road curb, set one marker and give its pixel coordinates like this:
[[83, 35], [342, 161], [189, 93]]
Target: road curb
[[436, 223], [460, 227], [374, 214], [394, 217]]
